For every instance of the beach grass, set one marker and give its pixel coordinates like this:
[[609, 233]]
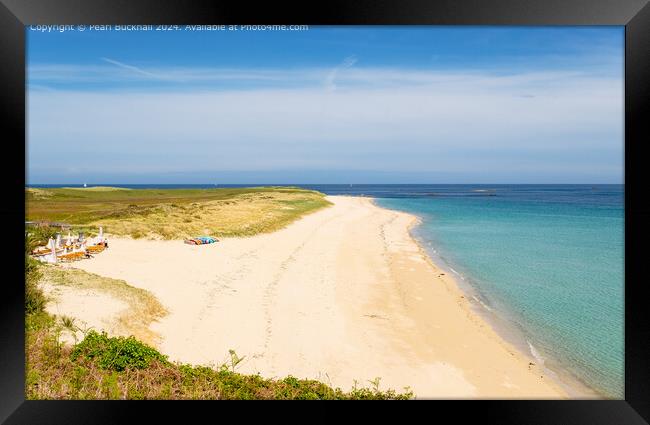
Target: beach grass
[[143, 307], [35, 299], [174, 213]]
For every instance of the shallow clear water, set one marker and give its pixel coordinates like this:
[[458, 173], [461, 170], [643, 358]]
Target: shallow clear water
[[548, 259]]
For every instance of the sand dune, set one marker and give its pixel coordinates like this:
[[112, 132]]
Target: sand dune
[[343, 294]]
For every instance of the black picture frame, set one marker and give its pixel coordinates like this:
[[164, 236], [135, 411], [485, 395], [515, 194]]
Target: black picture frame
[[633, 14]]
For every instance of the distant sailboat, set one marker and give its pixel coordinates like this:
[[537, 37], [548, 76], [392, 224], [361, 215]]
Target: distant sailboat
[[85, 185]]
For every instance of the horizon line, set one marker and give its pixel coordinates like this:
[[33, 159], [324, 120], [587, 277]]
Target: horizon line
[[322, 184]]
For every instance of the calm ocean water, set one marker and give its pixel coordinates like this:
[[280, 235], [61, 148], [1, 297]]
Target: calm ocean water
[[548, 260]]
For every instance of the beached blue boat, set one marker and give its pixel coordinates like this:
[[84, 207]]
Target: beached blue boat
[[200, 240]]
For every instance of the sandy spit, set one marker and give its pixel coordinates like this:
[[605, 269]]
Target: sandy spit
[[342, 295]]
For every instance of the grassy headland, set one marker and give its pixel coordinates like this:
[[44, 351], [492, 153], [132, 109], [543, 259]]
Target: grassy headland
[[174, 213]]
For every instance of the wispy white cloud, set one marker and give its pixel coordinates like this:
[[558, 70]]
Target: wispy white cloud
[[384, 119], [168, 76], [331, 76], [133, 68], [122, 76], [38, 87]]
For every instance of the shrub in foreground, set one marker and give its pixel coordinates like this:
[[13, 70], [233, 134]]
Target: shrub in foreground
[[116, 353]]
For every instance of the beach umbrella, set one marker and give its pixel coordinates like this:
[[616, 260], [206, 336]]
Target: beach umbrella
[[58, 240], [101, 234]]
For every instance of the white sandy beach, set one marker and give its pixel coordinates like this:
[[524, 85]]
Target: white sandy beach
[[342, 294]]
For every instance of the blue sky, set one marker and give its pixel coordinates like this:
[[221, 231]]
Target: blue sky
[[327, 105]]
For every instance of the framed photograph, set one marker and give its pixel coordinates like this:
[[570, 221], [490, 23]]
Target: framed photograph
[[432, 201]]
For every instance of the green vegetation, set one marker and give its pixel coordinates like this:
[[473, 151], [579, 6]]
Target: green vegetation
[[34, 298], [116, 353], [174, 213], [103, 367], [38, 236]]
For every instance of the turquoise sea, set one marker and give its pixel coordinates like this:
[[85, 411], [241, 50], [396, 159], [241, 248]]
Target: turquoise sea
[[547, 261]]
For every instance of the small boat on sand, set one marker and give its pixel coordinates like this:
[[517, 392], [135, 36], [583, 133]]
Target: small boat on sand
[[201, 240]]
